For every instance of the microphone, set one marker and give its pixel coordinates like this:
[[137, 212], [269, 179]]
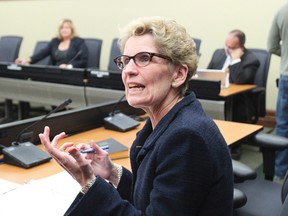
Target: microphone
[[59, 107], [119, 121], [74, 57], [114, 111], [26, 154]]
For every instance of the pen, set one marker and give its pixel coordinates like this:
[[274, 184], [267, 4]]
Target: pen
[[91, 150]]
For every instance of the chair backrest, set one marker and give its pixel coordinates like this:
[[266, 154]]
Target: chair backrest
[[114, 52], [284, 209], [261, 75], [94, 46], [198, 44], [9, 48], [262, 72], [284, 197], [38, 47], [284, 190]]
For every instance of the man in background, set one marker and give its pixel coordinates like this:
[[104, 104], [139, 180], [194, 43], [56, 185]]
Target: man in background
[[242, 65], [278, 45]]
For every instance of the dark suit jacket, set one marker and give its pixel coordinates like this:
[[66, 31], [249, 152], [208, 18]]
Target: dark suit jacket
[[77, 54], [240, 73], [182, 167]]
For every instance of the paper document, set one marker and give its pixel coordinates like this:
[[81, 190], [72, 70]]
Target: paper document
[[46, 197], [7, 186]]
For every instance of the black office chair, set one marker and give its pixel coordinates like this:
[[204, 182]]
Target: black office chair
[[241, 173], [9, 51], [9, 48], [263, 196], [24, 109], [114, 52], [198, 44], [259, 94], [38, 47], [94, 46], [269, 144]]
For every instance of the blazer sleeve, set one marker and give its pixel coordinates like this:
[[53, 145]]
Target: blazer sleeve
[[43, 53], [109, 200], [244, 71], [125, 185], [101, 199]]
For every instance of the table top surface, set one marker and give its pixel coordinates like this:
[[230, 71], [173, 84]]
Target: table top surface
[[235, 89], [231, 131]]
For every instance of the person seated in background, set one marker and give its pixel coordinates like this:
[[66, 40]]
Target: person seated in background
[[66, 50], [242, 66], [180, 161]]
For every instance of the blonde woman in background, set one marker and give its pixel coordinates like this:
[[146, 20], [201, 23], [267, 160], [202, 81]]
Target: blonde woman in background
[[66, 50]]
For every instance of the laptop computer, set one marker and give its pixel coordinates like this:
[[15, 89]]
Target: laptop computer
[[213, 74]]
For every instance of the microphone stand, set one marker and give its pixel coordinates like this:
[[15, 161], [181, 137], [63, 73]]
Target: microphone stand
[[26, 154], [59, 107]]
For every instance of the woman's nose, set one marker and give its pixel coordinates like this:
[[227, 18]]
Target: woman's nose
[[130, 67]]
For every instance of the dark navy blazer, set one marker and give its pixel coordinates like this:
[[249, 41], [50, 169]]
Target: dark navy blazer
[[182, 167]]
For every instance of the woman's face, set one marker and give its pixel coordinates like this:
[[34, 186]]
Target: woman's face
[[65, 31], [147, 87]]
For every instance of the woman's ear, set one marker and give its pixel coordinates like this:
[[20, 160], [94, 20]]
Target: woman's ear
[[180, 75]]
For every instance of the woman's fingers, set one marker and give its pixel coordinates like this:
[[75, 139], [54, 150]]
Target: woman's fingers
[[65, 146], [45, 138], [81, 166], [57, 138]]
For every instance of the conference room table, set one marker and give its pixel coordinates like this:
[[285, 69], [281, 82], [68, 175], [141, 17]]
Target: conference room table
[[232, 132], [48, 93], [235, 89], [53, 94]]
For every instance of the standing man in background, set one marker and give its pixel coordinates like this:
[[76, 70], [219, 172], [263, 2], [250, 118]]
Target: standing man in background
[[278, 45]]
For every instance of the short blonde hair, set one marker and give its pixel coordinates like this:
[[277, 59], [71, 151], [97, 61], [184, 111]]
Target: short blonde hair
[[171, 39], [71, 25]]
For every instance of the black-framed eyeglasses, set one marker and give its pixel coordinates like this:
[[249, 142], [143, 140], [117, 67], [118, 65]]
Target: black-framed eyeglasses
[[141, 59]]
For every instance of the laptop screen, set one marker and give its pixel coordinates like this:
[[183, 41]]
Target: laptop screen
[[213, 74]]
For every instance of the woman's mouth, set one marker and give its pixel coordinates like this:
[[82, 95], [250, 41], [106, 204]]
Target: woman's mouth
[[134, 86]]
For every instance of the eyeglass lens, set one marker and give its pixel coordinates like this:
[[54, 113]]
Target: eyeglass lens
[[141, 59]]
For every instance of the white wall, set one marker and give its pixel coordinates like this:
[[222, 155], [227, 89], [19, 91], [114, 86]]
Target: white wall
[[209, 20]]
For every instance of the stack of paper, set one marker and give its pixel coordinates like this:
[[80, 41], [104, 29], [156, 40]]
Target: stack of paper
[[46, 197], [7, 186]]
